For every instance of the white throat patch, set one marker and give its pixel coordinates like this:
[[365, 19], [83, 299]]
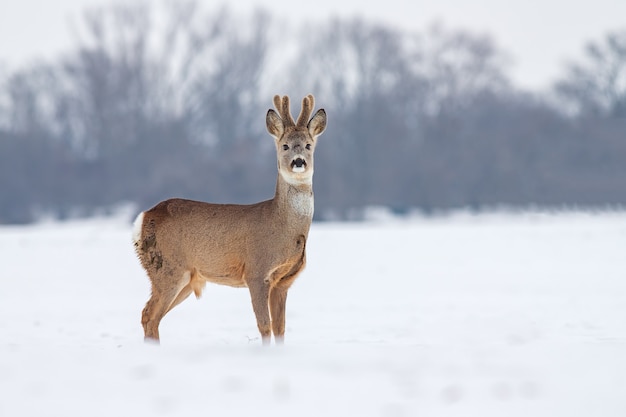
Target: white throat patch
[[302, 204]]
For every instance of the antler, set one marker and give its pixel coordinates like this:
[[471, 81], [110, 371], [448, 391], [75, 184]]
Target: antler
[[282, 105], [308, 104]]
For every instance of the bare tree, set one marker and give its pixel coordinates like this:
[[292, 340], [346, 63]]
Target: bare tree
[[459, 66], [28, 99], [596, 84], [34, 160], [225, 92], [108, 80]]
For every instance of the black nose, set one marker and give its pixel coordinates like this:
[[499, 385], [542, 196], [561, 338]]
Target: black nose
[[298, 162]]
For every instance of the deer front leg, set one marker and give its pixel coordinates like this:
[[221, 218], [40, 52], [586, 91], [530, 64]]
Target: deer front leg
[[259, 293], [278, 300]]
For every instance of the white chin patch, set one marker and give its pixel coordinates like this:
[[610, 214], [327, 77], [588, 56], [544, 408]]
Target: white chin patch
[[296, 179], [297, 169]]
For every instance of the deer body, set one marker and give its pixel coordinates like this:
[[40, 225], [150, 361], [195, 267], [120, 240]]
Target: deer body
[[183, 244]]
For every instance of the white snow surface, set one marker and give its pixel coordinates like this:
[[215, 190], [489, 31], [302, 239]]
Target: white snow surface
[[489, 315]]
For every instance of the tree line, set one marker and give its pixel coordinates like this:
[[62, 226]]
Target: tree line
[[160, 101]]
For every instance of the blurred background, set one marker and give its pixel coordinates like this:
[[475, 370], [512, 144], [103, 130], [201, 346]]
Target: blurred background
[[431, 107]]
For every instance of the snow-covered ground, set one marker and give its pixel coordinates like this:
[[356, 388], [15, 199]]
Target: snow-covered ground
[[491, 315]]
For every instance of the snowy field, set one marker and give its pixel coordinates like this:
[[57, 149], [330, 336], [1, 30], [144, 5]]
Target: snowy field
[[490, 315]]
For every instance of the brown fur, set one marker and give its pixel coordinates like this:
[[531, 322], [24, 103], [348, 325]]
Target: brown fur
[[183, 244]]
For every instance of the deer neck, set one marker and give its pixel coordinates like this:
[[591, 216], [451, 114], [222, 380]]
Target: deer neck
[[294, 199]]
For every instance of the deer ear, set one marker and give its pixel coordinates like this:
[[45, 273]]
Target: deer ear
[[317, 124], [274, 124]]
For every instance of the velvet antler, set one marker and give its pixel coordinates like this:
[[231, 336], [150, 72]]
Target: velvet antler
[[308, 104], [282, 105]]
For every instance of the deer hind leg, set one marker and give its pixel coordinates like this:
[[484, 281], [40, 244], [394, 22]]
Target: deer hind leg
[[196, 285], [182, 296], [167, 292], [278, 300]]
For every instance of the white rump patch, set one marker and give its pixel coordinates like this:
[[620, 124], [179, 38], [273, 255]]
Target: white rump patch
[[137, 226], [302, 204]]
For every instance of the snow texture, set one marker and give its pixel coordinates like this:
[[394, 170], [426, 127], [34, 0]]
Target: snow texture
[[491, 315]]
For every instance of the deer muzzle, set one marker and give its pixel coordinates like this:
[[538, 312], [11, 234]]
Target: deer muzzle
[[298, 165]]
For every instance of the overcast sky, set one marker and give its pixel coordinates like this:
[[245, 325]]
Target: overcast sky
[[539, 34]]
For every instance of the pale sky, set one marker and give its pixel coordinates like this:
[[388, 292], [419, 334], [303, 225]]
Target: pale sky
[[540, 35]]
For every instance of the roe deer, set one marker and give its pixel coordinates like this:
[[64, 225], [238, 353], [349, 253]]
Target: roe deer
[[182, 244]]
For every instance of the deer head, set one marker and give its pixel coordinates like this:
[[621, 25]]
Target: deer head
[[295, 141]]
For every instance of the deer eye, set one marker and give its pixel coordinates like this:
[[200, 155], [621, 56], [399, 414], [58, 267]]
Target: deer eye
[[308, 146], [285, 147]]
